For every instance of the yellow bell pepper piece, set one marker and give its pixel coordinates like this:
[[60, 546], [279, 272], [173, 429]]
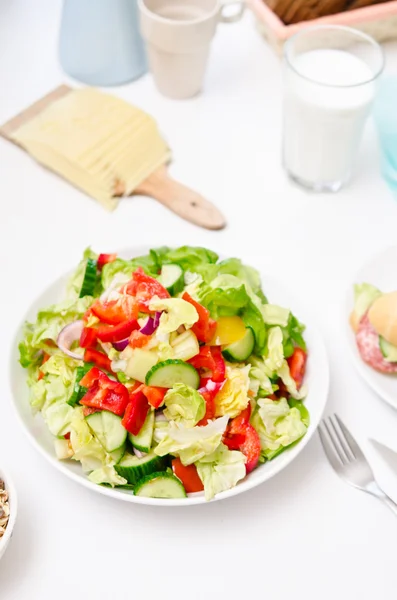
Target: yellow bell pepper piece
[[228, 330]]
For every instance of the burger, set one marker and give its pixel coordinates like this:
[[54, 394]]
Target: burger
[[374, 322]]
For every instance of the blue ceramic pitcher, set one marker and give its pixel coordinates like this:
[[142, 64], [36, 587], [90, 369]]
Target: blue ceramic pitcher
[[100, 41]]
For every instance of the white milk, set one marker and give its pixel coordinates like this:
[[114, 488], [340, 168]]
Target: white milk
[[323, 124]]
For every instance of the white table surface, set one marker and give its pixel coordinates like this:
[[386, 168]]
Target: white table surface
[[304, 534]]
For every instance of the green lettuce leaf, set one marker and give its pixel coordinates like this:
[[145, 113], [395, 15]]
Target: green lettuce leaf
[[87, 449], [76, 280], [191, 443], [107, 474], [259, 379], [127, 267], [190, 258], [278, 425], [57, 384], [365, 295], [275, 352], [221, 470], [226, 295], [284, 373], [184, 405], [177, 312], [249, 275], [49, 323]]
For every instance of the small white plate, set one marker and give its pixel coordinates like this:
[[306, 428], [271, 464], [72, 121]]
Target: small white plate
[[317, 381], [381, 271], [12, 500]]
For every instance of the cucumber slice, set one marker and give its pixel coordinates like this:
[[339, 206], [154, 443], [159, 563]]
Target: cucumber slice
[[78, 390], [108, 429], [241, 350], [118, 454], [388, 350], [143, 441], [160, 485], [172, 279], [133, 468], [89, 281], [168, 372]]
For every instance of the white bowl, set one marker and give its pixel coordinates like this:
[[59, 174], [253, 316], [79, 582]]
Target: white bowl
[[317, 381], [12, 499]]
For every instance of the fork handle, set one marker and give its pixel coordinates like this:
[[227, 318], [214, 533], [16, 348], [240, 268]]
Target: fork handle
[[377, 491], [390, 503]]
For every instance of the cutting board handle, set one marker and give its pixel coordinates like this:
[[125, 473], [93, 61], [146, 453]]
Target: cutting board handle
[[180, 199]]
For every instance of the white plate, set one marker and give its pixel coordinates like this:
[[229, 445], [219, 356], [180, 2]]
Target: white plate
[[381, 272], [317, 381]]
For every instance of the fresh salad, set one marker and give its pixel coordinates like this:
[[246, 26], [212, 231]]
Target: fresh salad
[[167, 374]]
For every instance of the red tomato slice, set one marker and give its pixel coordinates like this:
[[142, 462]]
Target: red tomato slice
[[297, 366], [144, 288], [188, 475], [104, 259], [115, 311], [138, 339]]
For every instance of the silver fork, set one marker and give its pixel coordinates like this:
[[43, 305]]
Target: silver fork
[[348, 460]]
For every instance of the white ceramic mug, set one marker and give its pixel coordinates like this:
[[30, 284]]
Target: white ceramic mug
[[178, 34]]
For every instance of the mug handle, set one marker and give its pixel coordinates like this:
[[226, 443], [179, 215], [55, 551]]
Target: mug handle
[[234, 17]]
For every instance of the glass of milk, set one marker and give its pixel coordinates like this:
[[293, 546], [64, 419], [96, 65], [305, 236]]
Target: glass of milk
[[330, 81]]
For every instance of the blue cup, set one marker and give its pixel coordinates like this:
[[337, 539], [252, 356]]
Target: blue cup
[[385, 113], [100, 41]]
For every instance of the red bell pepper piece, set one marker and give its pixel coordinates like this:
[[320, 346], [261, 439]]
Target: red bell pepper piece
[[136, 411], [144, 288], [104, 393], [241, 435], [205, 327], [115, 311], [208, 391], [188, 475], [154, 395], [92, 377], [44, 360], [118, 332], [297, 366], [88, 337], [242, 419], [210, 357], [97, 358], [104, 259], [87, 410]]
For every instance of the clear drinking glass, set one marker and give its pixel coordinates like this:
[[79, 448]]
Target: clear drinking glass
[[330, 75]]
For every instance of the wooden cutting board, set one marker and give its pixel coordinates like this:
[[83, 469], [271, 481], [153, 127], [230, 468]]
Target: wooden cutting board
[[183, 201]]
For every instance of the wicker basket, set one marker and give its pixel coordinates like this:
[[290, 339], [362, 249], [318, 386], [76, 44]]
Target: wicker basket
[[379, 21]]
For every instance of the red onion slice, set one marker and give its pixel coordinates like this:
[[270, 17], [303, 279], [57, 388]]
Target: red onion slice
[[121, 345], [69, 334], [160, 417], [151, 324], [138, 453]]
